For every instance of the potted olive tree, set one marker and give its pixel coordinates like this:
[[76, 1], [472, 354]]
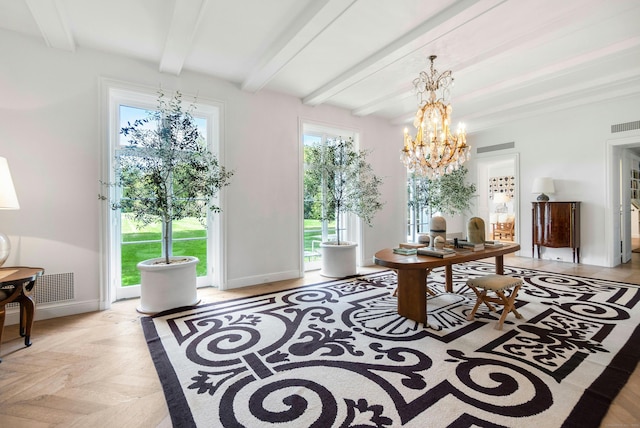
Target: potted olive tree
[[447, 194], [167, 173], [349, 186]]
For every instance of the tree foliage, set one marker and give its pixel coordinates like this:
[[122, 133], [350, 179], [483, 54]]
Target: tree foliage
[[448, 194], [167, 171], [346, 178]]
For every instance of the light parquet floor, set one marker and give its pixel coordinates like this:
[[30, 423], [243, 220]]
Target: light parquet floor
[[94, 369]]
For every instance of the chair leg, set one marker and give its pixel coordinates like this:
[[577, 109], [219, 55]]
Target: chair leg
[[509, 306], [481, 299], [508, 303]]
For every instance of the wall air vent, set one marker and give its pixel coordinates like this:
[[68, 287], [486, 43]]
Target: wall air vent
[[622, 127], [495, 147], [57, 287]]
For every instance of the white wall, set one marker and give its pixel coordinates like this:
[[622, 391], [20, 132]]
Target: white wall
[[50, 133], [569, 146]]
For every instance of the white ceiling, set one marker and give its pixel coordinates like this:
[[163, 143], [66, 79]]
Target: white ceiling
[[509, 57]]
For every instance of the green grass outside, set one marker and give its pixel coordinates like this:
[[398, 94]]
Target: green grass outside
[[313, 232], [135, 250]]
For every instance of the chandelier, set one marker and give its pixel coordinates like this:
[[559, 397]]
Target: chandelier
[[434, 152]]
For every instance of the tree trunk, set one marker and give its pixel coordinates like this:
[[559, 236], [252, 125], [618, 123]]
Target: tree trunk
[[166, 232]]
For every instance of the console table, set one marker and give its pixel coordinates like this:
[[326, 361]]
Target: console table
[[16, 284], [556, 225]]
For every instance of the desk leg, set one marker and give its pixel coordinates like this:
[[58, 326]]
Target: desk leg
[[412, 296], [448, 279], [500, 265]]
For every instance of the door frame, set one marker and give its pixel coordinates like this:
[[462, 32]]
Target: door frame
[[614, 155]]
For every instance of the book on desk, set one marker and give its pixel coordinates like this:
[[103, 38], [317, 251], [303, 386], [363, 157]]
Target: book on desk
[[405, 251], [464, 244], [436, 252]]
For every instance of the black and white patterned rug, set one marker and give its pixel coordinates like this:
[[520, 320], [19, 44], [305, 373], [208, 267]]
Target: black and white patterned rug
[[337, 354]]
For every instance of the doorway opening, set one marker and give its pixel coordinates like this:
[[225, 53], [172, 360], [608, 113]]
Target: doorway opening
[[498, 184], [623, 158]]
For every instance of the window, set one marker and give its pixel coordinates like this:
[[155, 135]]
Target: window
[[315, 229], [418, 212], [130, 243]]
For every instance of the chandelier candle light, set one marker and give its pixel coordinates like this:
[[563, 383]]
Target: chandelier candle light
[[434, 152]]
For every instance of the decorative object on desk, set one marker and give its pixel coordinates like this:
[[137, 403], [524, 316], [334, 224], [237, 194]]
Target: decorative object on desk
[[438, 227], [349, 186], [434, 152], [423, 238], [411, 245], [438, 242], [342, 367], [166, 172], [8, 201], [543, 185], [475, 230]]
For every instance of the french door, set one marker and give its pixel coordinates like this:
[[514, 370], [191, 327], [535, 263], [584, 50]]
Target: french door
[[129, 243]]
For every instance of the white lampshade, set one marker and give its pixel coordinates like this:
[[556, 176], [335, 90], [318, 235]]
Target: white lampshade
[[8, 201], [8, 197], [543, 185], [500, 198]]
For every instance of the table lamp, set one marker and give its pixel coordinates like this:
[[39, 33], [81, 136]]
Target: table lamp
[[8, 201], [543, 185], [501, 199]]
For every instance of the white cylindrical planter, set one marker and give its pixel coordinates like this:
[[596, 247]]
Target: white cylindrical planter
[[338, 260], [167, 286]]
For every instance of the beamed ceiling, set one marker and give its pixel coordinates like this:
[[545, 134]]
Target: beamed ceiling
[[510, 58]]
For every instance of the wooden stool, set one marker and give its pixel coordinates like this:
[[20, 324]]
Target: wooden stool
[[498, 284]]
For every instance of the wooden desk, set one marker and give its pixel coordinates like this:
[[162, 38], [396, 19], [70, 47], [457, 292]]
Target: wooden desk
[[16, 284], [413, 271]]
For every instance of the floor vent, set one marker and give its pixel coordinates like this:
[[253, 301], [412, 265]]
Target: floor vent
[[495, 147], [622, 127], [52, 288]]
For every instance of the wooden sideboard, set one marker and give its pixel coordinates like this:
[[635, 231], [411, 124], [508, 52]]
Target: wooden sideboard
[[556, 225]]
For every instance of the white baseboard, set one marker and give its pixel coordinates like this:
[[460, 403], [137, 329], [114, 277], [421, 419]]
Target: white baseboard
[[262, 279], [47, 311]]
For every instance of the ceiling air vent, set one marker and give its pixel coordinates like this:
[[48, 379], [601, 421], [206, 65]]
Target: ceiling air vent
[[622, 127], [495, 147]]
